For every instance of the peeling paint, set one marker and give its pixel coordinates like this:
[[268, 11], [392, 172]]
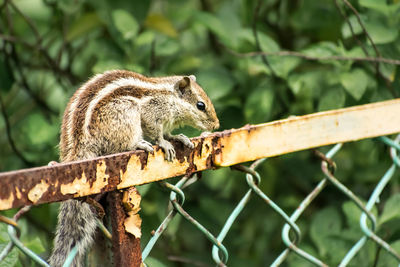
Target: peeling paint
[[131, 201], [6, 203], [18, 193], [75, 186], [37, 191], [80, 185], [156, 166], [132, 224]]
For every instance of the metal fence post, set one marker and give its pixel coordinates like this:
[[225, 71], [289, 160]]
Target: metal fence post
[[125, 246]]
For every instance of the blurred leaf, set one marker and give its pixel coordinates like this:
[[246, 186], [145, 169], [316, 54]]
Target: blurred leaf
[[322, 49], [186, 63], [4, 237], [355, 82], [39, 131], [104, 65], [145, 38], [325, 223], [227, 14], [259, 104], [83, 26], [161, 24], [70, 6], [267, 43], [35, 245], [153, 262], [219, 178], [282, 66], [307, 17], [386, 259], [391, 209], [307, 85], [143, 189], [217, 82], [346, 32], [379, 5], [216, 208], [34, 9], [167, 47], [332, 99], [125, 23], [173, 226], [352, 212], [11, 259], [380, 33], [213, 24], [255, 66]]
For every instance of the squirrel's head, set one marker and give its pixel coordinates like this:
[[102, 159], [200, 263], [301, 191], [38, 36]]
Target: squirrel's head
[[201, 112]]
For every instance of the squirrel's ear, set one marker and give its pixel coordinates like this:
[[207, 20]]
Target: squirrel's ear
[[183, 84], [192, 77]]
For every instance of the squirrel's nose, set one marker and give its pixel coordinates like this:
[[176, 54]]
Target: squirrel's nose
[[216, 126]]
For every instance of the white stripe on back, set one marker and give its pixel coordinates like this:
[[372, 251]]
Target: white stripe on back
[[73, 107], [122, 82]]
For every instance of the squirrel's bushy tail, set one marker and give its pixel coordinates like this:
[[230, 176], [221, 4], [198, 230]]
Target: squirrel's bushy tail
[[76, 227]]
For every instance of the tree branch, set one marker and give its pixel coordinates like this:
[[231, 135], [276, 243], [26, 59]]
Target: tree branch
[[378, 54], [9, 136], [307, 57], [255, 33]]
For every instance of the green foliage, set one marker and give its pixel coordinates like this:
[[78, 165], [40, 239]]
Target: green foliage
[[391, 210], [48, 48]]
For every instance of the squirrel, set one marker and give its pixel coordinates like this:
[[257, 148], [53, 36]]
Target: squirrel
[[113, 112]]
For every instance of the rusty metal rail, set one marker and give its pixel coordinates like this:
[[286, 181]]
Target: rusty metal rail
[[75, 179]]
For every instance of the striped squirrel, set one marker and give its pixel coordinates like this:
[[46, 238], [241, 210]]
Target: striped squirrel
[[111, 113]]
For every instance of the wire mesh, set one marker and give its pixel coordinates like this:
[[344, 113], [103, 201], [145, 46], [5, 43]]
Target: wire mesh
[[219, 253], [327, 166]]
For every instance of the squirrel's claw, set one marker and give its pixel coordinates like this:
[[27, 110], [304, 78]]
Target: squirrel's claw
[[169, 150], [146, 146]]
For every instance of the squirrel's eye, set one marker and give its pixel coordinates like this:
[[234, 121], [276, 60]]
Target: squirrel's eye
[[201, 106]]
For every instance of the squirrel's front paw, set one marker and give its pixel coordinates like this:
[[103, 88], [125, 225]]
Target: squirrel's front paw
[[184, 140], [146, 146], [168, 150]]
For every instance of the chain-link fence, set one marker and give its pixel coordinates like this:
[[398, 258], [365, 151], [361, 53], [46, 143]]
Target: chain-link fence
[[291, 232], [219, 251]]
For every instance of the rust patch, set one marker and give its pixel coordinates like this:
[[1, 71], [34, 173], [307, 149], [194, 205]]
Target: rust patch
[[83, 185], [183, 153], [92, 173], [143, 157], [126, 248], [199, 147], [211, 161], [191, 169], [114, 166], [131, 200], [247, 128]]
